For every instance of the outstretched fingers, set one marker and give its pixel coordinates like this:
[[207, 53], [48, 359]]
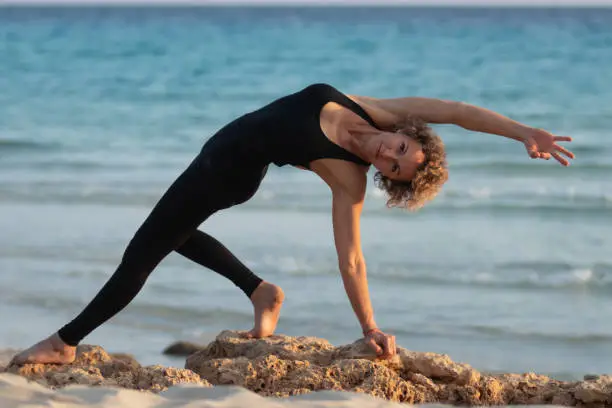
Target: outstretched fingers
[[563, 150], [560, 159]]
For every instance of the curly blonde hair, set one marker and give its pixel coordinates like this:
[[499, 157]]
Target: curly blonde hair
[[430, 175]]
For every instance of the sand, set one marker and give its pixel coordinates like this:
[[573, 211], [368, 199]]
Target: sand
[[16, 391], [282, 371]]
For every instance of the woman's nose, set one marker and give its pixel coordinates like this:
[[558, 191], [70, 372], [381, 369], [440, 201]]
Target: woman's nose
[[387, 153]]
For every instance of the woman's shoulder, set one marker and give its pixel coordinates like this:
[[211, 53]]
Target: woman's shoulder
[[343, 177], [377, 110]]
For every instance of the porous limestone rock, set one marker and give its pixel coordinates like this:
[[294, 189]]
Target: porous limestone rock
[[95, 367], [282, 366], [182, 348]]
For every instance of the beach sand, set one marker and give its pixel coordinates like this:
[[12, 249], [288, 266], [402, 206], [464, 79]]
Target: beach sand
[[280, 371], [16, 391]]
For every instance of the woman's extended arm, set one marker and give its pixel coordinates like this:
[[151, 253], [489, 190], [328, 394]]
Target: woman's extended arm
[[346, 211], [539, 143], [345, 216], [468, 116]]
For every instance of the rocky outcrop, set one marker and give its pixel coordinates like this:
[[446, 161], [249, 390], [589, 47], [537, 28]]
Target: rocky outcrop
[[182, 348], [282, 366], [95, 367]]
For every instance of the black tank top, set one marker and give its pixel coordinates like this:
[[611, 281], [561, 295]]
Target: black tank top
[[287, 130]]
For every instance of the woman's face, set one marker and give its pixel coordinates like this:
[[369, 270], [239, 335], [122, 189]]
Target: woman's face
[[395, 155]]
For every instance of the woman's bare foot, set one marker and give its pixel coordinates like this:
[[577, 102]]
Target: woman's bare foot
[[267, 301], [52, 350]]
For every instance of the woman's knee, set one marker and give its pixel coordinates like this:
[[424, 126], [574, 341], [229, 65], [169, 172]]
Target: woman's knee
[[139, 258]]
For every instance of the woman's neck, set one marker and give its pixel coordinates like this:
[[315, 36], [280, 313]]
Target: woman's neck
[[359, 137]]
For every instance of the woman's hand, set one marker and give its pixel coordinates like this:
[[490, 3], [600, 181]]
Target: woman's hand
[[383, 344], [541, 144]]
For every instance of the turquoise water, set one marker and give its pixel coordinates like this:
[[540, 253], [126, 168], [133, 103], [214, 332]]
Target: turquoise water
[[510, 269]]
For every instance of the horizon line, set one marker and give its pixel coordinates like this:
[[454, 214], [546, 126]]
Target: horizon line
[[316, 3]]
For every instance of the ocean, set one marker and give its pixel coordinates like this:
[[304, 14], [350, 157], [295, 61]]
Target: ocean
[[508, 270]]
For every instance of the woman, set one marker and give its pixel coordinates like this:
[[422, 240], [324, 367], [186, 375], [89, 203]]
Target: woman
[[320, 129]]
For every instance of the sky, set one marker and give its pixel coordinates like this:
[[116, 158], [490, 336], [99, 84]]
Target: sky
[[319, 2]]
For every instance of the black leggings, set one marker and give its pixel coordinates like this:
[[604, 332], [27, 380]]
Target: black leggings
[[197, 193]]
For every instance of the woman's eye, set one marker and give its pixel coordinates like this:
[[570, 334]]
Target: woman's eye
[[395, 168], [403, 147]]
